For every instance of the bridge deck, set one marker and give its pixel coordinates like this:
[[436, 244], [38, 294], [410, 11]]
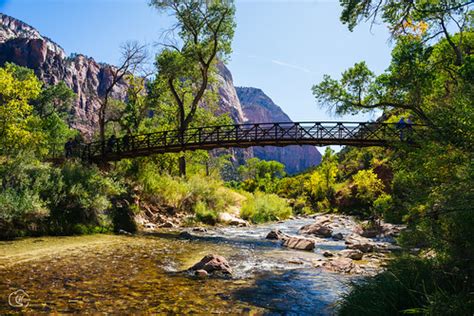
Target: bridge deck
[[247, 135]]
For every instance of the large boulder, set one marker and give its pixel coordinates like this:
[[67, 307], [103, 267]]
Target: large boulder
[[300, 243], [211, 264], [318, 229]]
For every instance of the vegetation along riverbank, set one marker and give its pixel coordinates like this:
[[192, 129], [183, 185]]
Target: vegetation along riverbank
[[383, 227]]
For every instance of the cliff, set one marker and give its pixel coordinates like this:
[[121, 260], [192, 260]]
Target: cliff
[[258, 107], [24, 46]]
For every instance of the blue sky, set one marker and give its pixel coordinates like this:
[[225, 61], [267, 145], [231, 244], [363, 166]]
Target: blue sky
[[282, 47]]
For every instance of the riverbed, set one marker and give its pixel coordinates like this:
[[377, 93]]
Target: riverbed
[[147, 273]]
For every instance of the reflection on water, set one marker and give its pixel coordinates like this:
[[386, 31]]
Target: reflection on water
[[118, 274]]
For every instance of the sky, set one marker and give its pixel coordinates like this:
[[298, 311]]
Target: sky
[[281, 47]]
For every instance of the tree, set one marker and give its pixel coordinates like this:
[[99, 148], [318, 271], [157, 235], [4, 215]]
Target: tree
[[205, 30], [414, 24], [133, 57], [18, 88], [321, 183], [430, 76], [428, 19]]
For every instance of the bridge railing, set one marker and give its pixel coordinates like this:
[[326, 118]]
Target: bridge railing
[[245, 135]]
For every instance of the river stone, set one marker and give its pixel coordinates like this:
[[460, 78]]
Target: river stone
[[340, 264], [185, 235], [353, 254], [361, 243], [300, 243], [232, 220], [213, 263], [200, 230], [276, 234], [317, 229], [328, 254], [167, 224], [337, 236], [201, 273]]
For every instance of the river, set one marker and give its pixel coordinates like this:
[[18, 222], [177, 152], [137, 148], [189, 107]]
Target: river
[[146, 273]]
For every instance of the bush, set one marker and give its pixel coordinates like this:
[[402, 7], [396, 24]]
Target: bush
[[21, 213], [205, 215], [409, 286], [204, 196], [82, 196], [260, 207]]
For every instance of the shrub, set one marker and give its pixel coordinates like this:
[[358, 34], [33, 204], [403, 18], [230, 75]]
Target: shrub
[[82, 196], [205, 215], [21, 213], [260, 207], [409, 286]]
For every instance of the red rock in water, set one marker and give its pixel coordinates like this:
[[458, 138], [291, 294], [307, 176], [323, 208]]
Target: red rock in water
[[213, 263]]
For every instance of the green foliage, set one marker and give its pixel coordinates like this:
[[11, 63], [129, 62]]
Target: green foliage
[[261, 207], [383, 208], [18, 87], [369, 186], [261, 175], [409, 286], [204, 214], [205, 196], [429, 78], [81, 196], [185, 73]]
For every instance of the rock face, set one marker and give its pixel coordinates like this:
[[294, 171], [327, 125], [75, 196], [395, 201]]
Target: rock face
[[258, 108], [23, 45]]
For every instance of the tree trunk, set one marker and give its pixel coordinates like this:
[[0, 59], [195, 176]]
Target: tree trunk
[[182, 166]]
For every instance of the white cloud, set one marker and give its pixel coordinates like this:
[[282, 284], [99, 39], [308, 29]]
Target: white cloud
[[284, 64]]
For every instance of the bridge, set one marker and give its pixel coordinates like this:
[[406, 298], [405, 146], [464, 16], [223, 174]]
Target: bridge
[[248, 135]]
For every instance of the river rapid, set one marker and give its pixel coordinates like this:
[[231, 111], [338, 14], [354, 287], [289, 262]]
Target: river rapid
[[147, 273]]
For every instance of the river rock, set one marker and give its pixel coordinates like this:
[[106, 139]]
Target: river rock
[[124, 232], [213, 263], [337, 236], [201, 273], [361, 243], [185, 235], [300, 243], [167, 224], [276, 234], [199, 230], [353, 254], [317, 229], [232, 220], [328, 254], [340, 265]]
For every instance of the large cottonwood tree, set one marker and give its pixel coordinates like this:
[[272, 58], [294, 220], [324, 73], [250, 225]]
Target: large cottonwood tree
[[202, 34]]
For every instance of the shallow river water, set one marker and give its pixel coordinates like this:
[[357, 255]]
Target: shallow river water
[[121, 274]]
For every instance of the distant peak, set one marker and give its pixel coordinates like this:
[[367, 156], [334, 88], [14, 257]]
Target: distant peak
[[11, 28]]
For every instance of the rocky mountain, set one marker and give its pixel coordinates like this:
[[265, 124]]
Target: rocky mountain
[[258, 107], [25, 46]]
